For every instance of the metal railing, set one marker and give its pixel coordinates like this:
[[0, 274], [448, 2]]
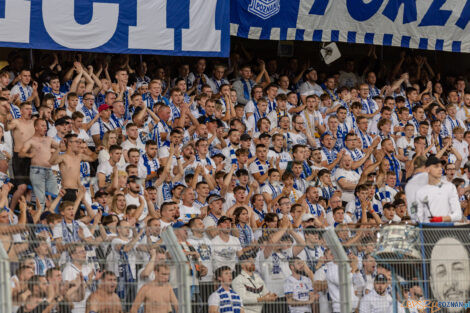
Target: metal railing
[[418, 266], [5, 288]]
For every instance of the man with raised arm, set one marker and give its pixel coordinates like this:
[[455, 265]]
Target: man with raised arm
[[39, 149], [22, 129], [69, 164]]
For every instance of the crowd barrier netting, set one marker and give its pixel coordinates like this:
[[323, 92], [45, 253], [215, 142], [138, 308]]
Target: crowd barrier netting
[[424, 267]]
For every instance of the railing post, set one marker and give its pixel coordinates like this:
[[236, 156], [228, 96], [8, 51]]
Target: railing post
[[343, 269], [177, 254], [5, 293]]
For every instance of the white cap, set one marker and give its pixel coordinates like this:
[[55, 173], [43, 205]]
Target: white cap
[[307, 217]]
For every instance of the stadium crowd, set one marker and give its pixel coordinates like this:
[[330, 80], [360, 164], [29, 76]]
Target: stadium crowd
[[249, 162]]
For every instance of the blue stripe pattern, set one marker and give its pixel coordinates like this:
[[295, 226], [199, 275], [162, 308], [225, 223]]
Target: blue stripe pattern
[[317, 35], [351, 37], [369, 38]]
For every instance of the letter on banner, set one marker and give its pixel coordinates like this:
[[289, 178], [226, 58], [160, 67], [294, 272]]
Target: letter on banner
[[15, 26], [435, 16], [319, 7], [409, 10], [151, 31], [201, 35], [60, 23], [361, 11], [464, 16]]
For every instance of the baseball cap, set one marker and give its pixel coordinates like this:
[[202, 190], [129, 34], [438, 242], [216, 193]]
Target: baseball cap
[[177, 185], [381, 278], [132, 179], [140, 84], [307, 217], [223, 219], [433, 160], [213, 198], [245, 137], [61, 121], [104, 107]]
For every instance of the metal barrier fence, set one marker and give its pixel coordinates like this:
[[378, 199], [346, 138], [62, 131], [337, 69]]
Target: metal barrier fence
[[393, 268]]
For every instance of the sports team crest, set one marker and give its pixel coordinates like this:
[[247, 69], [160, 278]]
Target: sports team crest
[[264, 8]]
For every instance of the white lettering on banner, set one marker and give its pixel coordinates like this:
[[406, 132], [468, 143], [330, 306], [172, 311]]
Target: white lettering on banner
[[60, 23], [264, 8], [406, 23], [15, 26], [151, 31], [201, 35]]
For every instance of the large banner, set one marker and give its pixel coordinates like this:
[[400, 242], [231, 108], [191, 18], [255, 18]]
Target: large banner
[[446, 268], [172, 27], [423, 24]]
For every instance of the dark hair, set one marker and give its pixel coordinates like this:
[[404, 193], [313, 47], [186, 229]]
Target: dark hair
[[114, 147], [166, 204], [218, 272], [238, 211]]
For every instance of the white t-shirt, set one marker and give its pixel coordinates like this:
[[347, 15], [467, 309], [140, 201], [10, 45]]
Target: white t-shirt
[[203, 247], [106, 169], [407, 147], [284, 156], [411, 189], [275, 269], [225, 253], [310, 119], [300, 290], [223, 300], [229, 202], [127, 145], [438, 200], [58, 232], [332, 278], [69, 273], [350, 176], [106, 126], [325, 305], [187, 213], [112, 261], [373, 302], [135, 200], [258, 167], [82, 135], [296, 139], [307, 89], [462, 148], [24, 92]]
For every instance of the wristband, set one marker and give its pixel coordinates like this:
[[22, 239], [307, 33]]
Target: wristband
[[436, 219]]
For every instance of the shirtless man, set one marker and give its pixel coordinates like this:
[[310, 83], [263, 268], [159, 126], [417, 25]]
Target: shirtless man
[[39, 149], [22, 129], [69, 164], [105, 299], [157, 296]]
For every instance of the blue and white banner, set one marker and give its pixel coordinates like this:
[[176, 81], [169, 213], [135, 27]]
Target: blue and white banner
[[422, 24], [172, 27]]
